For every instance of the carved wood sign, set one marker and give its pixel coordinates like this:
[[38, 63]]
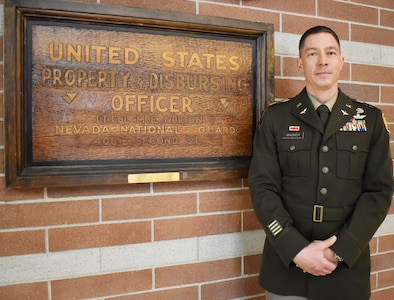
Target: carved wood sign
[[100, 94]]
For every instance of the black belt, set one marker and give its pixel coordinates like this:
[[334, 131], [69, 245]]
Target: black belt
[[320, 213]]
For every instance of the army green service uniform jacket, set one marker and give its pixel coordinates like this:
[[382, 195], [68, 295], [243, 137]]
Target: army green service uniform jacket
[[308, 184]]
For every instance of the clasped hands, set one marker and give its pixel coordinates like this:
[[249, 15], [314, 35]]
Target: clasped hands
[[317, 258]]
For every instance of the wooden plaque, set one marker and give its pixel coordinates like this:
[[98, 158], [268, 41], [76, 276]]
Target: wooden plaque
[[100, 94]]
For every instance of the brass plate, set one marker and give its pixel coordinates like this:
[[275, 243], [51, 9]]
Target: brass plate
[[153, 177]]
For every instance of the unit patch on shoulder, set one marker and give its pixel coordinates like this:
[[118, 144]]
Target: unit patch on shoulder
[[385, 123]]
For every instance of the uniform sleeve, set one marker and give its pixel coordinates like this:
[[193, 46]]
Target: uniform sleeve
[[375, 199], [265, 189]]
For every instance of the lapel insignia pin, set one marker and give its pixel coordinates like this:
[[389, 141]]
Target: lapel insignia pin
[[348, 105], [303, 112], [344, 112]]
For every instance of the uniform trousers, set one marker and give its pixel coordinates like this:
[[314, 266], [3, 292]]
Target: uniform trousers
[[271, 296]]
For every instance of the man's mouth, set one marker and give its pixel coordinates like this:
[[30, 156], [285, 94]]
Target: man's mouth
[[322, 73]]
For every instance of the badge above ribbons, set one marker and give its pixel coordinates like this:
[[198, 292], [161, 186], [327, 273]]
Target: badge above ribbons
[[356, 123]]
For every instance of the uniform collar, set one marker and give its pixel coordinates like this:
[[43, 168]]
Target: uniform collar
[[330, 103], [342, 110]]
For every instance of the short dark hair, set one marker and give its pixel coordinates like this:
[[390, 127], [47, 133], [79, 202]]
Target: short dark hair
[[315, 30]]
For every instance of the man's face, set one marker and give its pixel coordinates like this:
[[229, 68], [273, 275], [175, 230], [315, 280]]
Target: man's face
[[321, 62]]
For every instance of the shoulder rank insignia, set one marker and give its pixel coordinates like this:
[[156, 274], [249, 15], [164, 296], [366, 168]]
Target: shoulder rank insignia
[[365, 104], [276, 102]]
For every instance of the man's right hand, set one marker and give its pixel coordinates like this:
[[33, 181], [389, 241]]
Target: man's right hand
[[316, 258]]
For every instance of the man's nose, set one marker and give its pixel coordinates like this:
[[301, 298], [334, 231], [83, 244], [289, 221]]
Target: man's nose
[[322, 59]]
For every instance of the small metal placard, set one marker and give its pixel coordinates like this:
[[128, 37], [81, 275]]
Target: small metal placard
[[154, 177], [101, 94]]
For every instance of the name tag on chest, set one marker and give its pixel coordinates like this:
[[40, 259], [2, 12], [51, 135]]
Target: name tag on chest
[[293, 135]]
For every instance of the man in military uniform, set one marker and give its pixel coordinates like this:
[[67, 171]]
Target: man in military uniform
[[320, 188]]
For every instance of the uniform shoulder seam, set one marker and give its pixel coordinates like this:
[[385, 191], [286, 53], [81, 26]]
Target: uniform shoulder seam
[[365, 104], [279, 102]]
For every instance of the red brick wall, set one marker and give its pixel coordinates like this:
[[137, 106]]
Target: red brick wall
[[188, 240]]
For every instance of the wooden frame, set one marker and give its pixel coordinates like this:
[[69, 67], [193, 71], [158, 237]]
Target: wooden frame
[[218, 112]]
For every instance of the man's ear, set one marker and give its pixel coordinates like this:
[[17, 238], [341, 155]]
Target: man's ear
[[299, 64], [342, 62]]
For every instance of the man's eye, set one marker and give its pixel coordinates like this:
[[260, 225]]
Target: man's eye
[[312, 54], [332, 53]]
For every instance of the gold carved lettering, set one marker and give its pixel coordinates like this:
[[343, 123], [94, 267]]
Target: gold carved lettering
[[85, 78], [93, 53], [223, 130], [197, 82], [203, 61], [145, 103], [81, 129], [151, 129]]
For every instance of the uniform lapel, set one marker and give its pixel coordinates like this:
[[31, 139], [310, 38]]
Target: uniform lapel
[[303, 109], [342, 111]]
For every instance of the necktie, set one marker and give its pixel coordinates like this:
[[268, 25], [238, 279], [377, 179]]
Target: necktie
[[323, 112]]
